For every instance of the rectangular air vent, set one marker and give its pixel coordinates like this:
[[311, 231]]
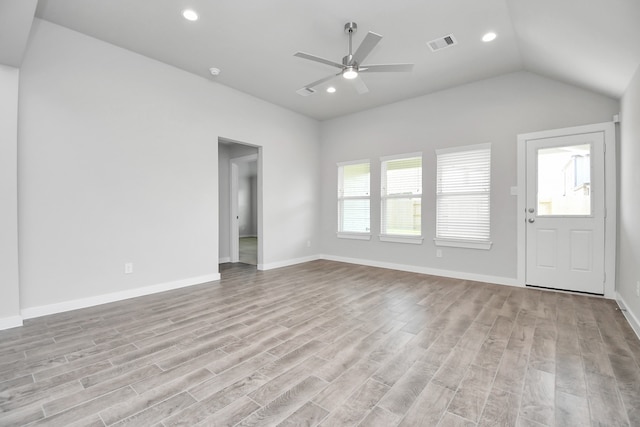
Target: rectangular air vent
[[442, 42], [305, 91]]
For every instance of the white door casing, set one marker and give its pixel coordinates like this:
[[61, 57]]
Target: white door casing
[[567, 243]]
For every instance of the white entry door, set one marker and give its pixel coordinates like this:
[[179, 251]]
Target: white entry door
[[565, 212]]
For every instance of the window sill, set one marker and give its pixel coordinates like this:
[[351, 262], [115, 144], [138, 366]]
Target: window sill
[[469, 244], [413, 240], [354, 236]]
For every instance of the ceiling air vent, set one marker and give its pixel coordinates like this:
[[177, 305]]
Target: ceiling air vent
[[305, 91], [442, 42]]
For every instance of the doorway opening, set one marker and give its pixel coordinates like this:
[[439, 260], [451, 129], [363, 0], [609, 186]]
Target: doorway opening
[[240, 204]]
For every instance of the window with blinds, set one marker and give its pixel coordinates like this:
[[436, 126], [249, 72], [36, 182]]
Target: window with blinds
[[401, 198], [463, 196], [354, 199]]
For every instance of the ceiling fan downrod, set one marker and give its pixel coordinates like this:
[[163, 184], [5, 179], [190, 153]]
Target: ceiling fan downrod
[[350, 28]]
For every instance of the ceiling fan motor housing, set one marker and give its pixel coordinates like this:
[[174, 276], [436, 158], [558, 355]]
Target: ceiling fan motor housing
[[347, 61]]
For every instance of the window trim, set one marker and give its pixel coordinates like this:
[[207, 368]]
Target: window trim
[[352, 234], [460, 243], [464, 243], [395, 238]]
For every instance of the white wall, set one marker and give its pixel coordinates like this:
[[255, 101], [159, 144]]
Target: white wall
[[493, 110], [118, 163], [9, 287], [629, 211]]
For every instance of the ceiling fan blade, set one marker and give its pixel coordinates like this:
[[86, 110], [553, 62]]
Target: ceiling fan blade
[[361, 88], [385, 67], [317, 59], [319, 82], [370, 41]]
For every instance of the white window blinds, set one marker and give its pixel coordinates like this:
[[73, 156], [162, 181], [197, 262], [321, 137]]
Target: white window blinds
[[401, 190], [353, 197], [463, 195]]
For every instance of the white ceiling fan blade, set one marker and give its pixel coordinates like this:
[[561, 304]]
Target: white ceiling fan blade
[[359, 85], [318, 59], [370, 41], [385, 68], [319, 82]]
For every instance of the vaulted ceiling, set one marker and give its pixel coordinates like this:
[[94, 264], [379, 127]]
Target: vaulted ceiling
[[593, 44]]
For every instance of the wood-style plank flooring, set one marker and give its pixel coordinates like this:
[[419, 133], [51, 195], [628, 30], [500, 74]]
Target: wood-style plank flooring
[[331, 344]]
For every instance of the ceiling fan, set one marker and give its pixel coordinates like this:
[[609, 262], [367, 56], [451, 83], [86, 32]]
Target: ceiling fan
[[351, 65]]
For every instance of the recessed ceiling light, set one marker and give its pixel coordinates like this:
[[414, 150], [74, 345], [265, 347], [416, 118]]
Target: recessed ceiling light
[[214, 71], [489, 37], [190, 15], [331, 89]]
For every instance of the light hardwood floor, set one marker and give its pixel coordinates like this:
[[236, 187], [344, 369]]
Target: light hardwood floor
[[330, 344]]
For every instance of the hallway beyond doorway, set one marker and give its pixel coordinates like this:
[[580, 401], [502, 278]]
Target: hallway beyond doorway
[[249, 250]]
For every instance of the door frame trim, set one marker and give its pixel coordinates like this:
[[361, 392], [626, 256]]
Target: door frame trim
[[610, 177]]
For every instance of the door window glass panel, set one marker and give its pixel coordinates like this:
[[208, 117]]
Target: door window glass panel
[[564, 181]]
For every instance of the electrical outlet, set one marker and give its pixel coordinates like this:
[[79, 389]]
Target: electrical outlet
[[439, 253], [128, 268], [638, 288], [308, 243]]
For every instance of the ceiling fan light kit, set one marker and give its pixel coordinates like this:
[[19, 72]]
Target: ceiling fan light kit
[[350, 73], [351, 66]]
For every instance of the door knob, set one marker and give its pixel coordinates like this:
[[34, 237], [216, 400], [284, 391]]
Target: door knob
[[531, 220]]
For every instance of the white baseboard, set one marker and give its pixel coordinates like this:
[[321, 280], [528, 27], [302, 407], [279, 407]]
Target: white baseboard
[[499, 280], [628, 314], [287, 263], [44, 310], [10, 322], [224, 260]]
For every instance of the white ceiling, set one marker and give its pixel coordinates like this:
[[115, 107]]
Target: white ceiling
[[16, 17], [594, 44]]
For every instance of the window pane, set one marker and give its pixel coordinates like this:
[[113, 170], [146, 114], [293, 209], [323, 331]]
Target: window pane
[[564, 180], [355, 216], [355, 180], [402, 216], [353, 198], [403, 176], [463, 194], [464, 217], [401, 197], [464, 171]]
